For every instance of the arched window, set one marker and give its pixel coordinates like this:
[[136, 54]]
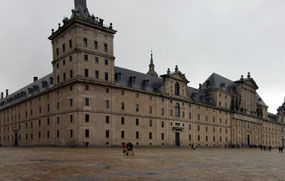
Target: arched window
[[177, 110], [177, 89]]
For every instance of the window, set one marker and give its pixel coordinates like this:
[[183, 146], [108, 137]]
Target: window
[[199, 117], [122, 134], [86, 87], [57, 134], [87, 133], [214, 129], [96, 59], [57, 79], [107, 104], [106, 62], [198, 137], [57, 51], [70, 43], [64, 76], [122, 120], [137, 107], [70, 102], [162, 124], [206, 128], [85, 42], [137, 121], [150, 135], [71, 133], [71, 74], [137, 95], [162, 136], [86, 57], [97, 74], [106, 76], [177, 110], [190, 137], [57, 120], [63, 48], [189, 115], [107, 119], [122, 105], [48, 122], [47, 134], [206, 138], [57, 105], [86, 72], [150, 109], [162, 111], [39, 123], [214, 119], [107, 134], [198, 127], [96, 44], [107, 90], [57, 65], [177, 89], [137, 135], [122, 92], [86, 101], [105, 47], [87, 118], [150, 123], [71, 118]]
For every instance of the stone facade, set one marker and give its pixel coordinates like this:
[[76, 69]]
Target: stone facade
[[88, 100]]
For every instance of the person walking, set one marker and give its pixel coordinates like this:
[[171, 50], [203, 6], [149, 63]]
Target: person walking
[[130, 148], [124, 148]]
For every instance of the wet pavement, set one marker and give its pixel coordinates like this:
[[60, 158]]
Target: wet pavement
[[65, 164]]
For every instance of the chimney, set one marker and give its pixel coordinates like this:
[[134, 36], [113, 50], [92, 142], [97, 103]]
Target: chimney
[[176, 68], [200, 86], [248, 75], [2, 95], [81, 3], [35, 79], [7, 92]]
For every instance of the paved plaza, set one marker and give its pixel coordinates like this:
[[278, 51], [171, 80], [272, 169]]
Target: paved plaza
[[46, 163]]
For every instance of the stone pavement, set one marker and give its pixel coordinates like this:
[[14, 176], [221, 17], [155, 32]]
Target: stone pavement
[[45, 163]]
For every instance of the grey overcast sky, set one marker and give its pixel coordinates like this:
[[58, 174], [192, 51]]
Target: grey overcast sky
[[229, 37]]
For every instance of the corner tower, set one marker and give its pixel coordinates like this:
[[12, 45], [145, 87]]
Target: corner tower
[[83, 48]]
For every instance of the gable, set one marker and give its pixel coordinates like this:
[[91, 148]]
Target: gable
[[251, 83], [176, 76]]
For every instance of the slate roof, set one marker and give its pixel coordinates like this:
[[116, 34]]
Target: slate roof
[[259, 100], [216, 81], [272, 117], [28, 91]]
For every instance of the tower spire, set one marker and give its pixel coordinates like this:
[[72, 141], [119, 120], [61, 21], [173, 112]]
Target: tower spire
[[151, 70], [81, 3]]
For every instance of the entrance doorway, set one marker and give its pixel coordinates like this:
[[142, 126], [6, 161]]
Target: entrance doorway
[[248, 140], [177, 139], [16, 139]]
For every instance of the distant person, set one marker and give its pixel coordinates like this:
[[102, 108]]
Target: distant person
[[124, 148], [130, 148]]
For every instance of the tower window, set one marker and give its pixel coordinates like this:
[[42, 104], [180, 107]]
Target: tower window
[[106, 62], [106, 76], [71, 133], [63, 47], [177, 89], [85, 42], [87, 118], [97, 74], [96, 44], [70, 43], [86, 57], [71, 74], [107, 134], [177, 110], [57, 51], [86, 101], [86, 73], [105, 47]]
